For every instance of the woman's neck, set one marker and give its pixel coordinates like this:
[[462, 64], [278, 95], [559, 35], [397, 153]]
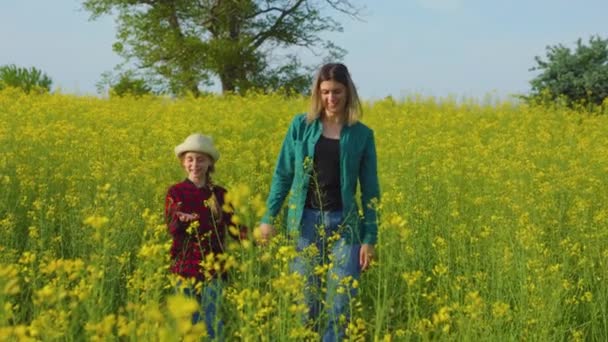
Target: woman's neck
[[332, 127], [334, 119]]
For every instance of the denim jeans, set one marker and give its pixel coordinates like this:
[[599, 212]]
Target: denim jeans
[[210, 299], [317, 228]]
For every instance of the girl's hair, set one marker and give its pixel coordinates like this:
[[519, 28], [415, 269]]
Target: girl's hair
[[339, 73]]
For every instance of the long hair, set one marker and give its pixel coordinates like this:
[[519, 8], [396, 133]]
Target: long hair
[[339, 73]]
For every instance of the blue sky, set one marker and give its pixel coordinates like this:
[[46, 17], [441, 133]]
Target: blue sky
[[463, 48]]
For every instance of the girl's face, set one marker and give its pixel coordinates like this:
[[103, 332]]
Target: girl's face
[[333, 96], [196, 165]]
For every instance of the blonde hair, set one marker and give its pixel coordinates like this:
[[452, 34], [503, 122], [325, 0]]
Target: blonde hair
[[335, 72]]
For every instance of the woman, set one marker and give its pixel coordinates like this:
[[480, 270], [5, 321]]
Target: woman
[[325, 153]]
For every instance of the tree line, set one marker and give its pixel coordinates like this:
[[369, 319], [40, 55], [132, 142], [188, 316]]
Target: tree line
[[179, 47]]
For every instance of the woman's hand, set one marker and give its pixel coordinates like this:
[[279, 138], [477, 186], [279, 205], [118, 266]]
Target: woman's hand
[[366, 255], [263, 233]]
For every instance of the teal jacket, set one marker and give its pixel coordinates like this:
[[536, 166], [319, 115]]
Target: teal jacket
[[357, 164]]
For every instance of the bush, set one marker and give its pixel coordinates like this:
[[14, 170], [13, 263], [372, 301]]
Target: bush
[[26, 79], [124, 84], [129, 85], [578, 77]]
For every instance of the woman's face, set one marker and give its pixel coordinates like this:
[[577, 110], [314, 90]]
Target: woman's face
[[333, 96], [196, 164]]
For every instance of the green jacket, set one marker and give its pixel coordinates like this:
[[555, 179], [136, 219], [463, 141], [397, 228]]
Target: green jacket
[[357, 163]]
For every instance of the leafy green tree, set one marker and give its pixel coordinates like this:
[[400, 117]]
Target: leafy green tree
[[575, 76], [188, 43], [27, 79]]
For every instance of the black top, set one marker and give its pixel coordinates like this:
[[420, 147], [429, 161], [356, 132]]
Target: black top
[[324, 187]]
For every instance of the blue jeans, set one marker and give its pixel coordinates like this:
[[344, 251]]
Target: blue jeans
[[317, 228], [210, 299]]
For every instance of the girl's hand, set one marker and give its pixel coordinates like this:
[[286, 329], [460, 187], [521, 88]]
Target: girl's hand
[[184, 217]]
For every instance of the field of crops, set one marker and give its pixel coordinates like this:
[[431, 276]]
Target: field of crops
[[494, 220]]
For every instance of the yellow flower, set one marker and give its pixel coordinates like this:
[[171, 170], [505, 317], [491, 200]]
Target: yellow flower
[[412, 277], [440, 270], [442, 316], [181, 309], [96, 222], [500, 310]]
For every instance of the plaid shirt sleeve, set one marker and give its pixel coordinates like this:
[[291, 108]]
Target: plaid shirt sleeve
[[172, 205]]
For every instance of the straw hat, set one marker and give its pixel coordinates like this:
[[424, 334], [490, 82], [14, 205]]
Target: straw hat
[[198, 143]]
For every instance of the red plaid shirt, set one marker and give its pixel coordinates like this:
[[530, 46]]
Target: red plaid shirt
[[189, 249]]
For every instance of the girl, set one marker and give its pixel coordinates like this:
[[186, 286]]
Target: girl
[[198, 226]]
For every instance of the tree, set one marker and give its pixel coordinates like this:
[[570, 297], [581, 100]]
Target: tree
[[577, 76], [188, 42], [26, 79]]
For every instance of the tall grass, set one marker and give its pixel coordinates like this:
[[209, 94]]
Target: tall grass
[[494, 220]]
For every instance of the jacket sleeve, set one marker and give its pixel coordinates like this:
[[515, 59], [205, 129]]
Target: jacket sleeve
[[370, 190], [283, 174], [172, 204]]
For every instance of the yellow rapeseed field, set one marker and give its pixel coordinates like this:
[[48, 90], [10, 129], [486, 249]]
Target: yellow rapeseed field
[[493, 225]]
